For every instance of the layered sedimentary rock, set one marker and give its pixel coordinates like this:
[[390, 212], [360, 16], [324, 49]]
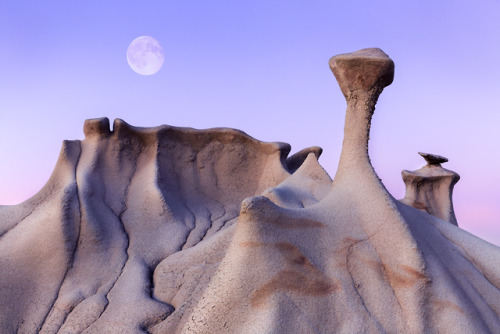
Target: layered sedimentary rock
[[176, 230]]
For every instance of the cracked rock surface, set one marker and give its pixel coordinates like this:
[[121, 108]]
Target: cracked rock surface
[[176, 230]]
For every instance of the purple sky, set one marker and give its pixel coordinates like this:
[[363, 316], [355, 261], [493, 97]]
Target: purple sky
[[262, 67]]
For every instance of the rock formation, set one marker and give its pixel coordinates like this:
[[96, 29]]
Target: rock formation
[[431, 188], [176, 230]]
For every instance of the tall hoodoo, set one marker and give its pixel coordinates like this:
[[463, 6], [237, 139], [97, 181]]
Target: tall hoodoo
[[364, 209], [362, 75], [430, 188]]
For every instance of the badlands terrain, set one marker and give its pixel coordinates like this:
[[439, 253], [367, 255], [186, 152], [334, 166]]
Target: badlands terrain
[[176, 230]]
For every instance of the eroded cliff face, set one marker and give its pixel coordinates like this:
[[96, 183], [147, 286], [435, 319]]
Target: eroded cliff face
[[176, 230]]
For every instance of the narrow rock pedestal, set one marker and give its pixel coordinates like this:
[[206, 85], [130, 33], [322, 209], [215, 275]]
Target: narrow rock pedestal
[[430, 188]]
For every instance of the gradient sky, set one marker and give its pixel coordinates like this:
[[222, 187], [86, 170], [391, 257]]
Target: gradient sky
[[262, 67]]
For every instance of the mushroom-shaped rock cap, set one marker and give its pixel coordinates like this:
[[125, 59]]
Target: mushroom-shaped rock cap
[[362, 70], [433, 159]]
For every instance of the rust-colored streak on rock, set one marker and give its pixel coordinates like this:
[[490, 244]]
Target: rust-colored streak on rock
[[414, 273], [300, 276], [404, 277], [344, 246], [297, 223], [295, 282], [441, 305]]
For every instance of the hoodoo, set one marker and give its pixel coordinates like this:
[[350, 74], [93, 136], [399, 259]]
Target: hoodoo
[[431, 188]]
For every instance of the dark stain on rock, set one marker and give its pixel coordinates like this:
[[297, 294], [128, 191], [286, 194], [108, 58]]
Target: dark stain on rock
[[293, 255], [419, 205]]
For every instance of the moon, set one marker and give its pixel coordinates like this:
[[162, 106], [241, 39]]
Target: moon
[[145, 55]]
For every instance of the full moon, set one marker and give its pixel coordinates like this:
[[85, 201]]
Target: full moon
[[145, 55]]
